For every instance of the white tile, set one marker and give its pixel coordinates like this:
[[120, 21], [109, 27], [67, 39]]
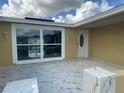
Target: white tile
[[53, 77], [22, 86]]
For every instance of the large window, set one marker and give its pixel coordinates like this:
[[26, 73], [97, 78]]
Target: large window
[[51, 43], [32, 44], [28, 43]]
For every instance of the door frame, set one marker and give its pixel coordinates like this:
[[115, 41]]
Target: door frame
[[87, 42], [41, 28]]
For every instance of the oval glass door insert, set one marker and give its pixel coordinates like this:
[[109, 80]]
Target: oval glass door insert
[[81, 40]]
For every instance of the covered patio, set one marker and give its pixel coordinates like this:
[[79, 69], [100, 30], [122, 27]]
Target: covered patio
[[54, 77]]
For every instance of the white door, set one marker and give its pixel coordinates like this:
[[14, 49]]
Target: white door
[[82, 41]]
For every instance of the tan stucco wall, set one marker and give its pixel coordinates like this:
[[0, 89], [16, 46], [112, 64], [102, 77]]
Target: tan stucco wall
[[107, 43], [5, 45], [70, 43], [120, 81]]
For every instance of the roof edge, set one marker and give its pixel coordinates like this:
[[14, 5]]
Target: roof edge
[[35, 22], [105, 14]]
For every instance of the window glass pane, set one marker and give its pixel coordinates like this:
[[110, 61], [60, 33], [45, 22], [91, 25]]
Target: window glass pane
[[28, 52], [51, 36], [28, 36], [52, 51]]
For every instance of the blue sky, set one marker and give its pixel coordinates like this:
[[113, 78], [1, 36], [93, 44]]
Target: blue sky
[[3, 2], [58, 10], [114, 3]]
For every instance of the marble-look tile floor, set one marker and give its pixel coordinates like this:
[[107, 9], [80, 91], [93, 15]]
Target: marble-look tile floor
[[54, 77]]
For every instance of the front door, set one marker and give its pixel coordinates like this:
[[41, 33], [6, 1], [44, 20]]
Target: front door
[[82, 41]]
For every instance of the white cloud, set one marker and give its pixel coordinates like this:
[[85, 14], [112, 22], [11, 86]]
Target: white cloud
[[36, 8], [44, 8], [86, 10], [59, 19], [104, 6]]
